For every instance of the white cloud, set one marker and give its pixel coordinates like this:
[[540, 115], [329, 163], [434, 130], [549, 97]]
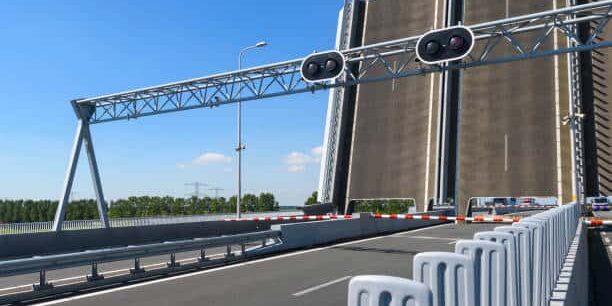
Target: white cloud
[[297, 161], [204, 159], [317, 152], [296, 168], [211, 158]]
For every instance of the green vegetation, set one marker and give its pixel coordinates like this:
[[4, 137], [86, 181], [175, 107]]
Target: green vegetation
[[17, 211], [312, 199], [383, 206]]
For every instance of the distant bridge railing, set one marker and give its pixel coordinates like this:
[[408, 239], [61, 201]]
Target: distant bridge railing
[[38, 227]]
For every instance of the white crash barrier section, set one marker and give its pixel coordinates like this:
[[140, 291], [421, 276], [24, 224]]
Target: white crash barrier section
[[507, 241], [449, 276], [516, 265], [375, 290], [524, 272], [489, 261]]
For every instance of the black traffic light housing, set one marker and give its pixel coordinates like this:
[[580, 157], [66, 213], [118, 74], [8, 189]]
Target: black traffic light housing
[[445, 45], [322, 66]]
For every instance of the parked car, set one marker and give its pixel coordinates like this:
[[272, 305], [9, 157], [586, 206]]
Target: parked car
[[527, 201], [599, 203], [504, 201]]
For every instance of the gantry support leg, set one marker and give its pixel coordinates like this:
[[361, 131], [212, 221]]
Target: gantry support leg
[[83, 135], [95, 176]]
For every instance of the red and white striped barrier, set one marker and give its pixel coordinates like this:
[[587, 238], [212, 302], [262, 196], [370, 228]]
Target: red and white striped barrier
[[295, 218], [495, 219], [447, 218], [597, 222], [379, 216]]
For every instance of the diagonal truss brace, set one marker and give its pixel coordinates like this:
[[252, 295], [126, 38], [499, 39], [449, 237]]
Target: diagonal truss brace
[[529, 37], [82, 137]]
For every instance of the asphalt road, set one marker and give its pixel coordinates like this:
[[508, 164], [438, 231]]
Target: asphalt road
[[508, 140], [311, 277], [395, 121]]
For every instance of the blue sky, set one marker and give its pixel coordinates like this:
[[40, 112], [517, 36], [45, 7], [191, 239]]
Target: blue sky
[[55, 51]]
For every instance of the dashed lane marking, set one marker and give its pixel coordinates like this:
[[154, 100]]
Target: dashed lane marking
[[321, 286]]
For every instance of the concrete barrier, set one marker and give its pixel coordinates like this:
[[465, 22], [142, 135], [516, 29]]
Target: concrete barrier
[[515, 209], [319, 209], [309, 234], [572, 286], [36, 244], [300, 234]]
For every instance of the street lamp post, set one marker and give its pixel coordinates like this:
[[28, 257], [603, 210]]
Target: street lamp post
[[240, 146]]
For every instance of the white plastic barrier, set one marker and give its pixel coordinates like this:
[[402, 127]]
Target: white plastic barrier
[[536, 230], [489, 260], [516, 265], [523, 261], [379, 290], [449, 276], [507, 240]]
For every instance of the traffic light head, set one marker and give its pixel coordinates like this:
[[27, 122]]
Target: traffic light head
[[445, 45], [322, 66]]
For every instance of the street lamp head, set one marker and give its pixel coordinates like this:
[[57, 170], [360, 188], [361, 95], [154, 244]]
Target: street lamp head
[[261, 44]]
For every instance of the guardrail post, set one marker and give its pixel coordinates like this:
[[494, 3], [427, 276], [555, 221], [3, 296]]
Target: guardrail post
[[228, 252], [137, 269], [242, 249], [42, 281], [94, 273], [173, 263], [202, 257]]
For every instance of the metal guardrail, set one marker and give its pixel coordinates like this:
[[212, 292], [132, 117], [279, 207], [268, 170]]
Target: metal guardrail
[[512, 265], [43, 264], [38, 227], [68, 260]]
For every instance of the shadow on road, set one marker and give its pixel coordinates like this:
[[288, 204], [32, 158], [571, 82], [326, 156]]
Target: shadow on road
[[600, 269]]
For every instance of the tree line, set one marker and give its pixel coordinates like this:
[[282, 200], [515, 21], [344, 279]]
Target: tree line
[[17, 211], [379, 206], [383, 206]]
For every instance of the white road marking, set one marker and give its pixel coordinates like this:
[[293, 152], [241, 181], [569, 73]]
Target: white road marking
[[167, 279], [394, 79], [506, 152], [507, 8], [430, 237], [419, 230], [321, 286], [558, 116]]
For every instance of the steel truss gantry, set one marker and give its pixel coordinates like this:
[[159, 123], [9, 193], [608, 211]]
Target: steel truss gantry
[[529, 36]]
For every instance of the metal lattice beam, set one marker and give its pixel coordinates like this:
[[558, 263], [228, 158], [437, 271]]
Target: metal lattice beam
[[528, 36]]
